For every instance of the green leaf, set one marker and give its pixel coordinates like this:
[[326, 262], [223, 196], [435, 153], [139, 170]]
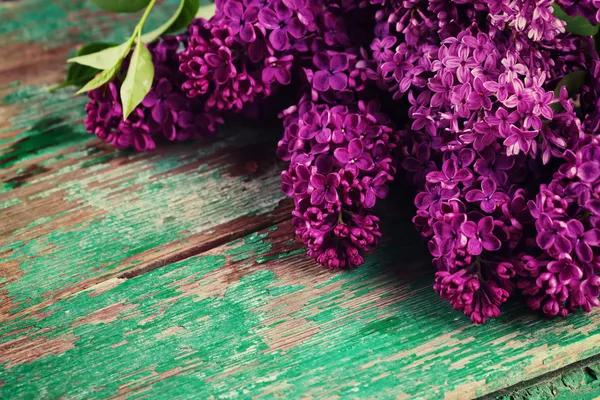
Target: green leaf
[[139, 78], [121, 6], [79, 74], [104, 59], [577, 25], [102, 78], [573, 81], [207, 11], [180, 20]]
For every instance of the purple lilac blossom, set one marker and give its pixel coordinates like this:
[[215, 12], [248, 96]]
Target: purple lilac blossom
[[164, 113], [507, 175], [483, 122], [336, 179]]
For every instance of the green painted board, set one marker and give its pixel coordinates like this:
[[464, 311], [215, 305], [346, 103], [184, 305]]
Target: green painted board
[[255, 318]]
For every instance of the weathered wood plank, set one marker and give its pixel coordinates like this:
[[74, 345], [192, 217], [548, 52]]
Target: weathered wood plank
[[257, 318], [74, 211], [580, 381], [79, 210]]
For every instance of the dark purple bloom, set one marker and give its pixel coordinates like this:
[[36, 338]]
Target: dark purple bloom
[[583, 241], [502, 119], [241, 21], [331, 71], [433, 196], [450, 175], [354, 157], [335, 31], [382, 48], [324, 188], [566, 270], [278, 69], [481, 236], [481, 46], [397, 67], [478, 98], [552, 235], [281, 21], [162, 100], [222, 62], [461, 63], [519, 140], [488, 197], [376, 188], [494, 165]]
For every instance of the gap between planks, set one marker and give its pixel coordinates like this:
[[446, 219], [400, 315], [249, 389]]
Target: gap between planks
[[178, 250], [521, 390]]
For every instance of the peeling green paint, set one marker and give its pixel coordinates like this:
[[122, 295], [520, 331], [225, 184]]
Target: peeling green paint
[[184, 341], [128, 205]]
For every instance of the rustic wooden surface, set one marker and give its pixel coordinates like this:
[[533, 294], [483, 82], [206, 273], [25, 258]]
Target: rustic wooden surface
[[176, 274]]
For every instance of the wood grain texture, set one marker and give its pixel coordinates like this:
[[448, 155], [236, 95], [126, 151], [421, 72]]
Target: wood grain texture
[[255, 317], [580, 381], [176, 274]]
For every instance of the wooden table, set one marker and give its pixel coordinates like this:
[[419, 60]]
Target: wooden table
[[176, 274]]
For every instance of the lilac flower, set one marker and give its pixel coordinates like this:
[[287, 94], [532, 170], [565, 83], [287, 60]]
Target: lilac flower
[[566, 270], [162, 99], [222, 62], [502, 119], [480, 45], [480, 236], [459, 97], [335, 32], [324, 188], [397, 67], [520, 140], [375, 188], [331, 71], [420, 164], [165, 111], [241, 20], [382, 48], [450, 175], [489, 198], [281, 21], [520, 97], [552, 235], [500, 88], [513, 67], [461, 62], [583, 241], [450, 234], [478, 98], [354, 157], [333, 212], [494, 165], [432, 197], [278, 69]]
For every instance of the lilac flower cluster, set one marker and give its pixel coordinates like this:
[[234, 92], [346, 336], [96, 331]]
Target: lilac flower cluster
[[245, 51], [165, 112], [340, 164], [340, 147], [484, 123], [567, 222], [506, 167]]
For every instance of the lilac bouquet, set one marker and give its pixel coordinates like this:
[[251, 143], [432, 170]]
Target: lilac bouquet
[[488, 109]]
